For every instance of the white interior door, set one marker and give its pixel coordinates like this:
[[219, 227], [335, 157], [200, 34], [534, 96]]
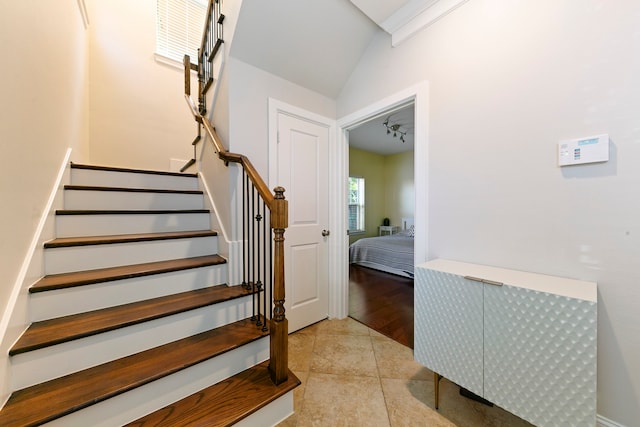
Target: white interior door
[[302, 169]]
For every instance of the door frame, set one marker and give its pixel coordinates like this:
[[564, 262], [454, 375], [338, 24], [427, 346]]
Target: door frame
[[279, 107], [338, 258]]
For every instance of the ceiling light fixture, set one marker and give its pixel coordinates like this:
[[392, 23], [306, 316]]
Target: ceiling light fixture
[[395, 128]]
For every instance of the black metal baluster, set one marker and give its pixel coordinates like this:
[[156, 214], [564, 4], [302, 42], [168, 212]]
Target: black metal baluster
[[258, 271], [219, 20], [271, 283], [252, 248], [244, 231], [201, 79], [245, 225]]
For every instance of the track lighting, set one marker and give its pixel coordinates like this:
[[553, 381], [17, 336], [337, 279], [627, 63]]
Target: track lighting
[[396, 128]]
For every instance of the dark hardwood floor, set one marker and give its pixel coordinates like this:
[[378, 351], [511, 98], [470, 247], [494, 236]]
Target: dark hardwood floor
[[383, 302]]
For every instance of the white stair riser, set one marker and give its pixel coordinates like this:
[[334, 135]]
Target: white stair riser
[[104, 225], [270, 415], [44, 364], [100, 178], [128, 200], [81, 258], [63, 302], [136, 403]]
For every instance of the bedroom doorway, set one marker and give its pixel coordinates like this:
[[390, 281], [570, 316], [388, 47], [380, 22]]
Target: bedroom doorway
[[380, 217], [418, 94]]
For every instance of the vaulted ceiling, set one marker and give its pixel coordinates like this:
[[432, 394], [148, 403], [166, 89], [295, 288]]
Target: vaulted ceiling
[[317, 44]]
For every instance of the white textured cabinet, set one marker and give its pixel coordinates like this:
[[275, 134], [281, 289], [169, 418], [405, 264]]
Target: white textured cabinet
[[524, 341]]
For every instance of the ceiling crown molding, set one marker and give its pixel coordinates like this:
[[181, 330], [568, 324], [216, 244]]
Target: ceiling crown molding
[[416, 15]]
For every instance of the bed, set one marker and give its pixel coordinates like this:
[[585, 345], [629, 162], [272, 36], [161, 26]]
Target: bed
[[393, 254]]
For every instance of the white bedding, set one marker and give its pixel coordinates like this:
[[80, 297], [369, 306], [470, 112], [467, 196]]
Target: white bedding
[[393, 254]]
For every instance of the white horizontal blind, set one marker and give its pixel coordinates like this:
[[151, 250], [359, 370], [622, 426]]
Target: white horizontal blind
[[356, 204], [179, 28]]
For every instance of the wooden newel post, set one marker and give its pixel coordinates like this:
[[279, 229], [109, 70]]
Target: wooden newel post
[[279, 358]]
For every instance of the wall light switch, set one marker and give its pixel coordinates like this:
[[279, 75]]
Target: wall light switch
[[579, 151]]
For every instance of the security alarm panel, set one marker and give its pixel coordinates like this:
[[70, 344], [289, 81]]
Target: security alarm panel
[[579, 151]]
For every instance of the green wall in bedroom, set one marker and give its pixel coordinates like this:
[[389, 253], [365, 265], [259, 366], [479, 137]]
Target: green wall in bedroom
[[388, 187], [399, 191]]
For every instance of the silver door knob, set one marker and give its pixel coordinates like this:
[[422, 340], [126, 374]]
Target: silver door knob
[[325, 233]]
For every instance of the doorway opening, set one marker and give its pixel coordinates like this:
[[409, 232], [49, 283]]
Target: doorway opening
[[417, 95], [381, 209]]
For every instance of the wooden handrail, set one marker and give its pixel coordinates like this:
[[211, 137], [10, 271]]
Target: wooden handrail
[[279, 208], [255, 178], [228, 157], [207, 25], [277, 204]]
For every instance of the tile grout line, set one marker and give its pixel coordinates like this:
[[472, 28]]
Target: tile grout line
[[384, 396]]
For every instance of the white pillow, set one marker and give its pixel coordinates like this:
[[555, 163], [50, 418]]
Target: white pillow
[[409, 232]]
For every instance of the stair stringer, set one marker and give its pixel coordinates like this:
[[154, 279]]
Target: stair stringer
[[231, 249]]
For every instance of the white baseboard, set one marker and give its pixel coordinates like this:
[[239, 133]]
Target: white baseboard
[[605, 422], [16, 316]]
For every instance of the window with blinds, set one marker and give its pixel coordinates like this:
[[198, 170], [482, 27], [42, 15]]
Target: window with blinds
[[179, 27], [356, 204]]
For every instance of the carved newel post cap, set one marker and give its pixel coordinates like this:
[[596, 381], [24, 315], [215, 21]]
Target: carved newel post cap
[[279, 192]]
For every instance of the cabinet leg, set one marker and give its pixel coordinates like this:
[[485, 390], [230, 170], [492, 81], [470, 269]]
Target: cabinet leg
[[436, 388]]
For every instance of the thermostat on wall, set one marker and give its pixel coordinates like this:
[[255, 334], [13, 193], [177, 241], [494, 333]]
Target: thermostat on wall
[[592, 149]]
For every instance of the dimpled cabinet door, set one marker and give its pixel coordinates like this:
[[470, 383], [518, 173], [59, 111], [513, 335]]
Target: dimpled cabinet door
[[524, 341], [540, 355], [448, 327]]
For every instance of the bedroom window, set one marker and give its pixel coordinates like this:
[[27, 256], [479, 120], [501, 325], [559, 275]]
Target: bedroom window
[[179, 25], [356, 204]]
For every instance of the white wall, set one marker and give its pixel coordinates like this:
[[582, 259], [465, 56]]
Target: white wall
[[43, 112], [371, 167], [507, 81], [249, 91], [139, 117], [399, 187]]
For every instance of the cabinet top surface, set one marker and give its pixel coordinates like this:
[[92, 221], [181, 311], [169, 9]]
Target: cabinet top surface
[[538, 282]]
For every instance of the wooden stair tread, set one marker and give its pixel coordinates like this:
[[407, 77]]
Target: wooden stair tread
[[222, 404], [128, 211], [143, 171], [125, 238], [129, 189], [63, 329], [53, 399], [88, 277]]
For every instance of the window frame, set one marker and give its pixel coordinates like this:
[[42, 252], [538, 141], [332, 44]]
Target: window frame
[[359, 206], [169, 44]]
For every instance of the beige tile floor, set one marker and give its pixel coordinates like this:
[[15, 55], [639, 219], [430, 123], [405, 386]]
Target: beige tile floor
[[353, 376]]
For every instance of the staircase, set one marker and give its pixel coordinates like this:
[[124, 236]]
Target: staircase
[[133, 323]]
